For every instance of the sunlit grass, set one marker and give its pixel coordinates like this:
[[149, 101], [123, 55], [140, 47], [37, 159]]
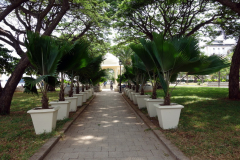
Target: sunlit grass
[[17, 136], [209, 126]]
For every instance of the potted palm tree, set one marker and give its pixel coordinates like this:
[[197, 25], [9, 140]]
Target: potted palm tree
[[72, 55], [141, 77], [180, 54], [43, 53], [80, 49], [151, 69]]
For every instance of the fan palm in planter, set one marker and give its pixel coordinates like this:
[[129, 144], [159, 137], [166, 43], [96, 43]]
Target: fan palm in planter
[[128, 74], [43, 53], [150, 66], [174, 56], [91, 70], [71, 57], [151, 69], [141, 78]]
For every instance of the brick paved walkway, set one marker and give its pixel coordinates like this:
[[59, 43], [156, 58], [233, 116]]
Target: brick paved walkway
[[109, 130]]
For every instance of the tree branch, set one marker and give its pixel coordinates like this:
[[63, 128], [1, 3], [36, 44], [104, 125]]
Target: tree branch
[[197, 27], [13, 28], [52, 26], [10, 8], [15, 44], [232, 5], [43, 14], [83, 32]]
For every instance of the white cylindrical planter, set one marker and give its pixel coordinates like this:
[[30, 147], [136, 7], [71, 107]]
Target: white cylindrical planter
[[132, 94], [125, 91], [134, 97], [80, 99], [63, 112], [128, 92], [92, 91], [44, 120], [150, 106], [168, 115], [88, 94], [66, 90], [148, 88], [73, 105], [84, 96], [140, 100]]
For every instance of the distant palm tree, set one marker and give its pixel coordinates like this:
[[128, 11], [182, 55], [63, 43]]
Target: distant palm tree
[[125, 56], [74, 58]]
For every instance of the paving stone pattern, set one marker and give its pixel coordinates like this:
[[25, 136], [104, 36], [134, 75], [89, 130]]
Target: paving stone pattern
[[108, 130]]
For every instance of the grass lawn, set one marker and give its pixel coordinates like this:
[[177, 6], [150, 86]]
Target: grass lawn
[[209, 126], [17, 135]]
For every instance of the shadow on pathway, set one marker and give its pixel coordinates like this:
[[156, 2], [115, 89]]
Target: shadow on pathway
[[108, 130]]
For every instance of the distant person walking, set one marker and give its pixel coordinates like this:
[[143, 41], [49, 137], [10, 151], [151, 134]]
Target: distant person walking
[[111, 85]]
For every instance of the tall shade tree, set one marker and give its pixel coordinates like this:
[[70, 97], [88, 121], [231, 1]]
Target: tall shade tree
[[234, 92], [137, 19], [72, 18], [43, 53], [179, 55]]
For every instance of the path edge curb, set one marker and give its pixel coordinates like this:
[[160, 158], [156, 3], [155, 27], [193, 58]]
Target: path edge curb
[[167, 143], [46, 148]]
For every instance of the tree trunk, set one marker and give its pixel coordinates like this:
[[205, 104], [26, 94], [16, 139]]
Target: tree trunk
[[8, 90], [82, 87], [142, 91], [0, 88], [61, 93], [234, 74], [44, 102], [154, 92], [133, 87], [77, 88], [137, 88], [167, 100], [71, 88]]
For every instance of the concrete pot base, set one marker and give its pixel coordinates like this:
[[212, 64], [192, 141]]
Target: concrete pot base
[[140, 100], [63, 112], [44, 120], [168, 115], [80, 99], [150, 106], [73, 105]]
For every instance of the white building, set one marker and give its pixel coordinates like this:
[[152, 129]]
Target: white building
[[220, 46]]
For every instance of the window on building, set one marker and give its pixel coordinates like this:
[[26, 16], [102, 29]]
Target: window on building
[[223, 48], [213, 48], [218, 48]]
